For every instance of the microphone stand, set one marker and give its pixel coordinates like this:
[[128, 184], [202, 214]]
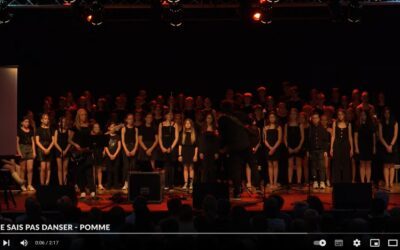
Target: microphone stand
[[170, 133], [264, 138], [63, 181], [309, 177]]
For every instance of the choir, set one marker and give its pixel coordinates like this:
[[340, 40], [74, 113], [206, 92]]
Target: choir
[[319, 141]]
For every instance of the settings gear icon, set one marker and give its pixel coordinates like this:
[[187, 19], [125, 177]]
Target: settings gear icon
[[356, 243]]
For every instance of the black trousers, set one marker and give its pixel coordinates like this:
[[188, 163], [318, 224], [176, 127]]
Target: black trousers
[[113, 172], [129, 164], [85, 174], [317, 165], [237, 161]]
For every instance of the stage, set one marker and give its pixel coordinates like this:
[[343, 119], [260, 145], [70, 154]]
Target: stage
[[252, 201]]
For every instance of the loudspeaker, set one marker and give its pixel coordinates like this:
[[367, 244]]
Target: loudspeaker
[[201, 190], [352, 195], [48, 196], [146, 184]]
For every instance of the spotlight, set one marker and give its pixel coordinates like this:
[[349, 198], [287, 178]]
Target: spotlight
[[263, 14], [89, 18], [257, 16], [175, 13], [5, 14], [354, 11], [94, 15]]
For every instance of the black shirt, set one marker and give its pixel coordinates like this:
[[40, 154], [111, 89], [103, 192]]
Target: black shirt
[[113, 143], [318, 139], [25, 138], [45, 135], [147, 133], [81, 136]]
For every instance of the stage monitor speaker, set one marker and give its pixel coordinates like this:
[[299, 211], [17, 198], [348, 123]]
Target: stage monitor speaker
[[201, 190], [149, 185], [48, 196], [352, 196]]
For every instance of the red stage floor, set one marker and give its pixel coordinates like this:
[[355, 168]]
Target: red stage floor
[[253, 203]]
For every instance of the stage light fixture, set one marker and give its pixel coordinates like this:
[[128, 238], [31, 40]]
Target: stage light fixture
[[5, 13], [175, 13], [69, 2], [263, 14], [354, 11], [257, 16], [94, 15], [89, 18]]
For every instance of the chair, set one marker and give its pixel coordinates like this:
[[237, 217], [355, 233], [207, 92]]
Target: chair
[[5, 183]]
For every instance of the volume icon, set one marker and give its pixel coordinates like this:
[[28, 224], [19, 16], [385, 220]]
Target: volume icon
[[24, 243]]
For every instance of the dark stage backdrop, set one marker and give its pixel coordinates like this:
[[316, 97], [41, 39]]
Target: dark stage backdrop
[[58, 53]]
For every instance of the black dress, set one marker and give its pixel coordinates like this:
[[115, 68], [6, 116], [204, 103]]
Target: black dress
[[365, 142], [62, 141], [168, 137], [98, 142], [82, 136], [45, 138], [25, 143], [208, 146], [113, 165], [341, 162], [305, 146], [387, 134], [261, 161], [188, 148], [272, 138], [293, 139], [148, 137], [255, 138], [130, 138]]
